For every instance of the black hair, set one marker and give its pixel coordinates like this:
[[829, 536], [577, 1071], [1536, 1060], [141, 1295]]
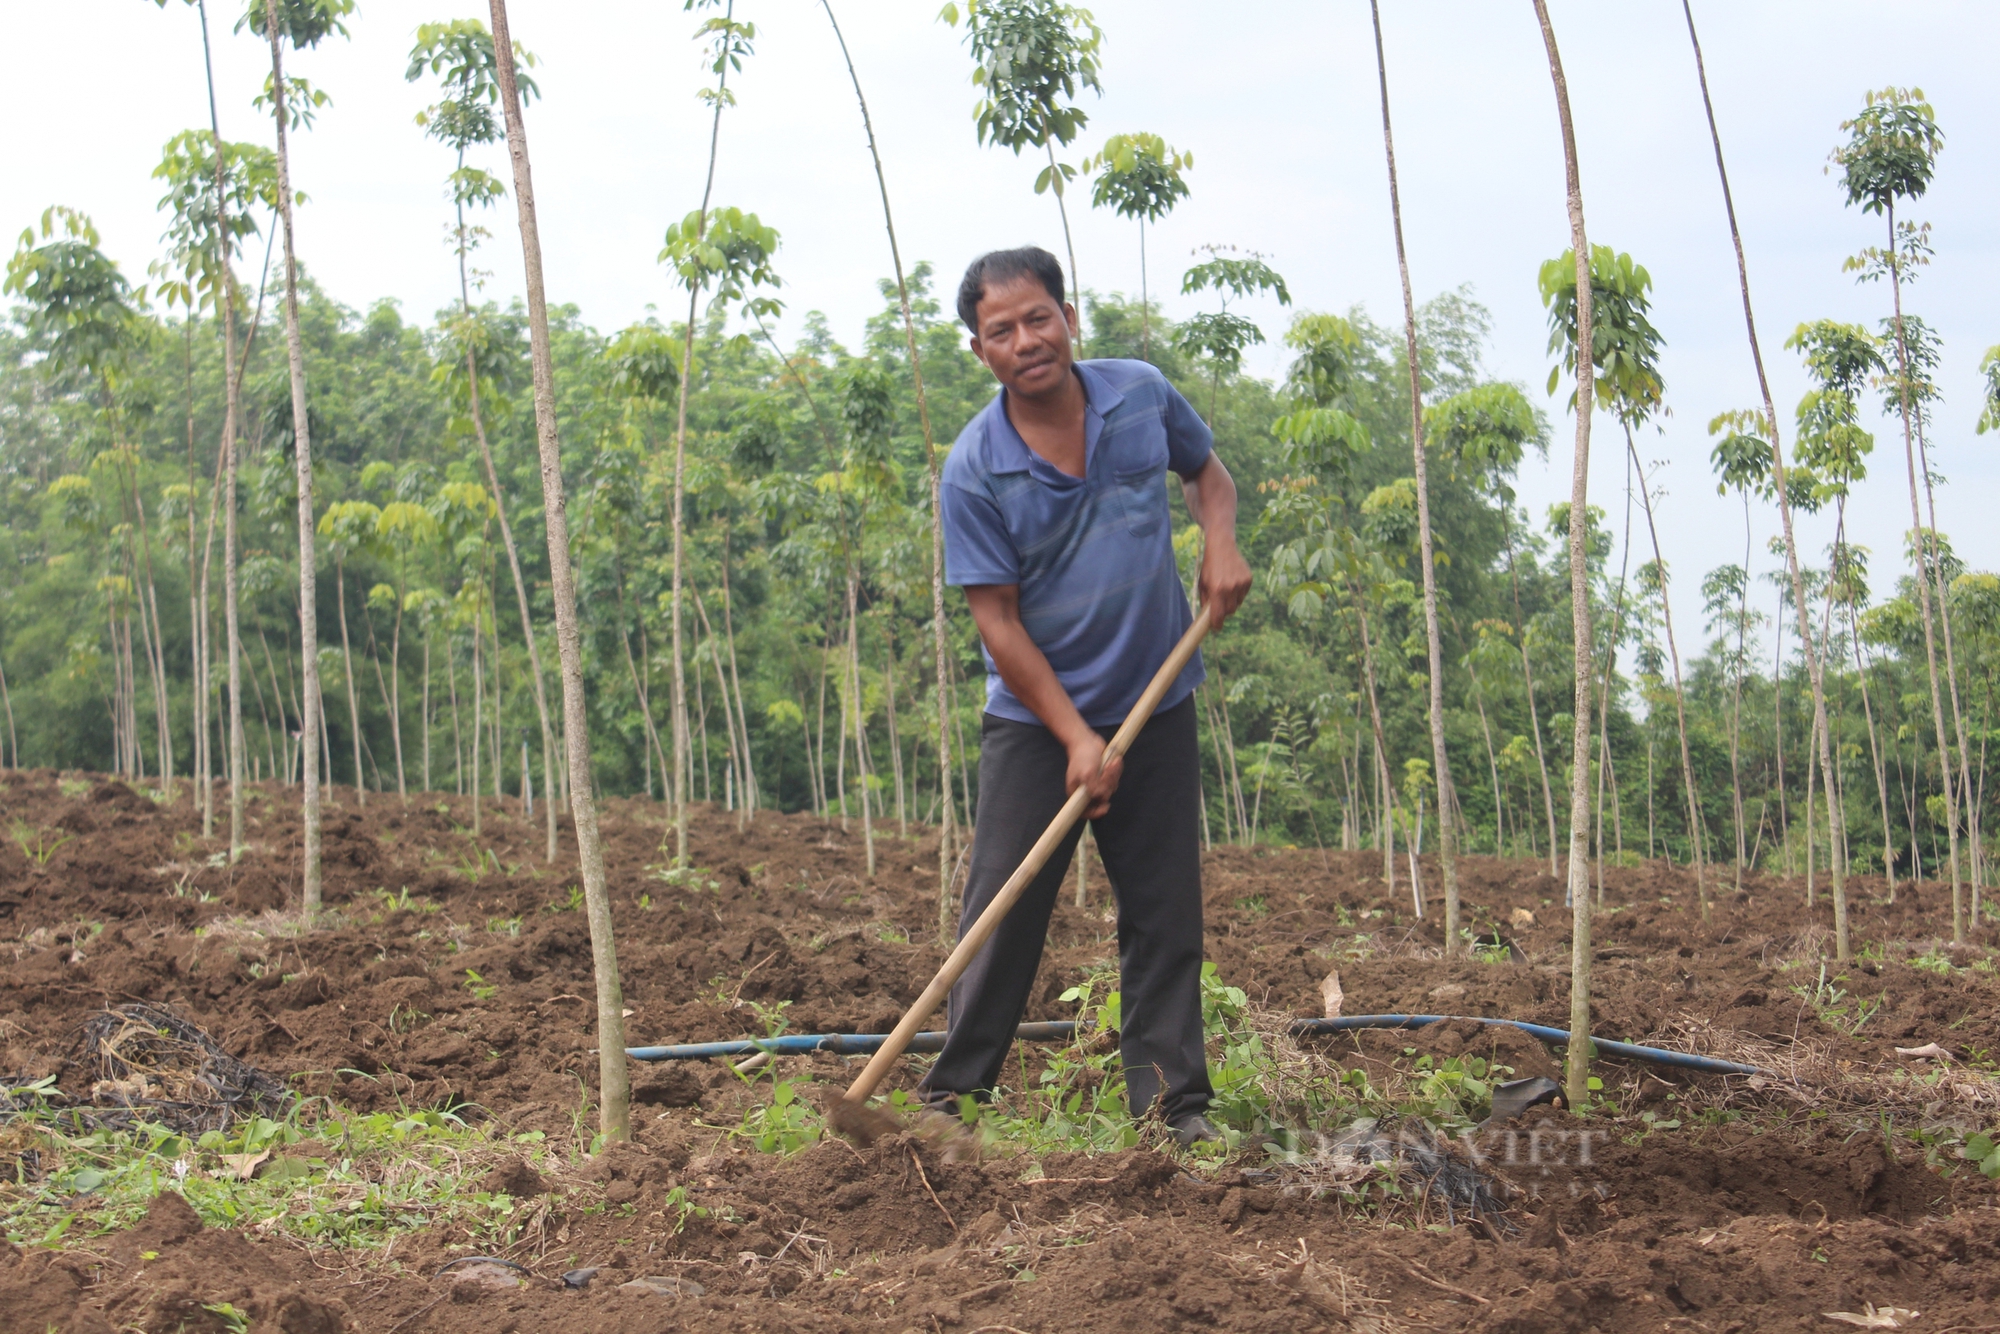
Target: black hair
[[999, 266]]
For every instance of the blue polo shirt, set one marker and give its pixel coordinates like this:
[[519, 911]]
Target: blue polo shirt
[[1093, 555]]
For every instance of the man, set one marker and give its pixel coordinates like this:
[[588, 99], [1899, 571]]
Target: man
[[1056, 524]]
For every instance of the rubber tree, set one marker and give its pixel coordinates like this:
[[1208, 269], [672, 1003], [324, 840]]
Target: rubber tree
[[201, 233], [303, 23], [1032, 59], [1890, 156], [1917, 382], [1447, 801], [461, 54], [1218, 336], [82, 314], [1741, 460], [938, 628], [349, 527], [1625, 352], [1139, 177], [1318, 570], [643, 374], [1577, 1070], [1831, 455], [1483, 433], [614, 1088], [1780, 481], [403, 529], [728, 252], [221, 283]]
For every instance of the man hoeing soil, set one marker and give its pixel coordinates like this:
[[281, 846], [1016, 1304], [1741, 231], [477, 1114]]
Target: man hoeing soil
[[1057, 526]]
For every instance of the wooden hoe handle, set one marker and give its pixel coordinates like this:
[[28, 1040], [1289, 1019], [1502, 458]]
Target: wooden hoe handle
[[1045, 846]]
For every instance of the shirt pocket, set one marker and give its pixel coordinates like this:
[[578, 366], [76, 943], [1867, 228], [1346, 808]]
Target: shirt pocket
[[1142, 495]]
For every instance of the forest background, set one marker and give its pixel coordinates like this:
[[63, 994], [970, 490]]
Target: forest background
[[1289, 747]]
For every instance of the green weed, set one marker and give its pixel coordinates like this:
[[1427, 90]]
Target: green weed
[[1835, 1007], [324, 1175], [36, 843], [785, 1125], [480, 988], [403, 901], [1934, 961]]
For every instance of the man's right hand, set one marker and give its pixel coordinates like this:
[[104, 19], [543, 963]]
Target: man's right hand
[[1088, 770]]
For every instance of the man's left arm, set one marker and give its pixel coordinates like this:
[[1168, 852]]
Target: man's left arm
[[1210, 493]]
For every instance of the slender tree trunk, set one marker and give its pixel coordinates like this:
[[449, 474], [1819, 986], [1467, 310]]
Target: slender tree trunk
[[302, 442], [701, 721], [751, 798], [1811, 849], [230, 384], [457, 731], [1062, 211], [1534, 717], [1813, 664], [1874, 754], [947, 832], [1604, 687], [1145, 303], [860, 718], [895, 742], [614, 1086], [1579, 583], [520, 593], [1446, 798], [638, 690], [1696, 828], [1913, 423], [1736, 696], [682, 774], [1221, 768], [1492, 763], [347, 672], [396, 691], [427, 708], [1778, 729], [264, 714], [478, 716], [13, 741], [1386, 825], [721, 683]]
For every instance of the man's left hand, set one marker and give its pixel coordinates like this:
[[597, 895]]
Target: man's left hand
[[1225, 580]]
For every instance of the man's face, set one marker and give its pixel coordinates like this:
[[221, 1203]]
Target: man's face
[[1024, 336]]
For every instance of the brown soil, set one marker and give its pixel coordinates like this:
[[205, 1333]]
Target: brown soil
[[1765, 1223]]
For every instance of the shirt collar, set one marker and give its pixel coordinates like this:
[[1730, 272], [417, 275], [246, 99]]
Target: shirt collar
[[1008, 452]]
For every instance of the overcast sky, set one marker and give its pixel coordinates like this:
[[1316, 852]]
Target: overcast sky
[[1278, 106]]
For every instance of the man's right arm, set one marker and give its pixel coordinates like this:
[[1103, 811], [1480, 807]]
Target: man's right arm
[[996, 609]]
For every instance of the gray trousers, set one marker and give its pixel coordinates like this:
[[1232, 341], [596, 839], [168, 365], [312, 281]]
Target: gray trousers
[[1150, 843]]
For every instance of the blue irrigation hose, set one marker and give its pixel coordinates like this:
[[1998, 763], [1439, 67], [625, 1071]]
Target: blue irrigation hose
[[840, 1044], [1604, 1046], [860, 1044]]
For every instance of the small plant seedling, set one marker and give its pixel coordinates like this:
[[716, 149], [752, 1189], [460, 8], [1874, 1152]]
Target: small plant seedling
[[891, 934], [233, 1320], [38, 844], [1256, 905], [480, 988], [1934, 961], [573, 903]]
